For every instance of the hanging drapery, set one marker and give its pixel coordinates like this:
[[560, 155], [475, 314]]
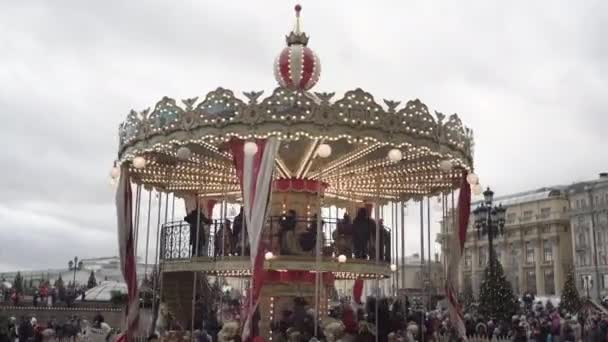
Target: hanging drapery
[[126, 248], [254, 171], [459, 234]]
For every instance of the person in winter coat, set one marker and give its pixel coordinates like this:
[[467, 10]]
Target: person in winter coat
[[191, 218], [362, 226]]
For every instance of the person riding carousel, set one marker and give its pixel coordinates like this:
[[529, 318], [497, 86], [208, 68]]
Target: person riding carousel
[[191, 218]]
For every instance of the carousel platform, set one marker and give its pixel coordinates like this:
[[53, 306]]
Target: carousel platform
[[238, 266]]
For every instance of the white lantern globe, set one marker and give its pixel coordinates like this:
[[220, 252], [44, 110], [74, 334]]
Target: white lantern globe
[[115, 172], [184, 153], [324, 150], [472, 178], [476, 189], [268, 255], [139, 162], [250, 148], [393, 267], [395, 155], [446, 165], [341, 258]]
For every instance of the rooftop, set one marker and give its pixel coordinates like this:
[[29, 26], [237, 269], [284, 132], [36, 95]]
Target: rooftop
[[527, 196]]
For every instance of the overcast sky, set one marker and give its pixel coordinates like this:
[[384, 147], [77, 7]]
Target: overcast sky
[[529, 77]]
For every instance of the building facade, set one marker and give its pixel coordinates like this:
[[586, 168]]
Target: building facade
[[535, 249], [589, 222]]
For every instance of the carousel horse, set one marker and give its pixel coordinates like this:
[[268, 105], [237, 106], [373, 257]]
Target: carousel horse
[[229, 332], [163, 322], [333, 330]]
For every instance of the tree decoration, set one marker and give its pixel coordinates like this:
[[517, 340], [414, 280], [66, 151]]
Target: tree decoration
[[92, 281], [467, 298], [570, 302], [496, 298], [18, 283]]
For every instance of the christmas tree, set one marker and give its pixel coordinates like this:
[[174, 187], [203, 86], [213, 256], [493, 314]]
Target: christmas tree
[[496, 298], [18, 283], [467, 298], [92, 281], [570, 301], [60, 286]]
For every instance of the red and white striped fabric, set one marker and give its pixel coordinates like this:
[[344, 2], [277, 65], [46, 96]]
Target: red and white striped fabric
[[456, 251], [255, 175], [297, 67], [126, 249]]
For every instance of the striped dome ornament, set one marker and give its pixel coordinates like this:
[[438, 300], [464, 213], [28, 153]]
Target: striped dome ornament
[[297, 67]]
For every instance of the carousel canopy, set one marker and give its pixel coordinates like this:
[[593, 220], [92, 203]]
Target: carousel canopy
[[381, 150]]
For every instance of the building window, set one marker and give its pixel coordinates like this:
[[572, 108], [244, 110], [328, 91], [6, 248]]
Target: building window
[[531, 281], [482, 257], [549, 282], [545, 212], [605, 280], [527, 215], [468, 259], [511, 217], [529, 253], [547, 251], [582, 239]]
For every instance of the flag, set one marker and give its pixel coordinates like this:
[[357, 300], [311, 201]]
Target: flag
[[255, 176], [456, 251], [126, 249]]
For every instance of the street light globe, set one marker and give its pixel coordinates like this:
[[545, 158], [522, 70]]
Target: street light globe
[[250, 148], [268, 255], [395, 155], [446, 165], [341, 258], [183, 153], [477, 189], [139, 162], [472, 178], [393, 267], [324, 150]]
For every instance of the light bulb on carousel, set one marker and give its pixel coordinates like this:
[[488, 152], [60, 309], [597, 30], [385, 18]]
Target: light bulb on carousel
[[115, 172], [393, 268], [268, 255], [395, 155], [324, 150], [184, 153], [446, 165], [341, 258], [472, 178], [250, 148], [139, 162]]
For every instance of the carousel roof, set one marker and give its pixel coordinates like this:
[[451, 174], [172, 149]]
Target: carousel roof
[[185, 145]]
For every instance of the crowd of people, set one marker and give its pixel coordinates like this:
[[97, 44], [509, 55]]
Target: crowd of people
[[43, 295], [28, 329], [398, 320], [290, 234]]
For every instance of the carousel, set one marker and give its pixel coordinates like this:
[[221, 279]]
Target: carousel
[[283, 193]]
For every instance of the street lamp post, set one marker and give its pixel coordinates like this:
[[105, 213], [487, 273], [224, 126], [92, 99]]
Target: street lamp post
[[489, 220], [75, 265]]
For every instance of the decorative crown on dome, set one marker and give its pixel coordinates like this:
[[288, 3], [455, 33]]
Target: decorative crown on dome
[[296, 36], [297, 67]]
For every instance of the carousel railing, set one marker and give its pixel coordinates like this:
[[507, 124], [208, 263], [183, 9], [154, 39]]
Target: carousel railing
[[176, 242]]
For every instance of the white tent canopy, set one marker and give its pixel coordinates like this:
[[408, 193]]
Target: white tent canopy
[[103, 291]]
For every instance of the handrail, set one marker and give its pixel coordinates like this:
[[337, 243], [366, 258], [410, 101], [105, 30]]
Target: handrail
[[177, 243]]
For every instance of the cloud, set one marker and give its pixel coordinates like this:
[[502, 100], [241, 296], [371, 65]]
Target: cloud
[[529, 78]]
